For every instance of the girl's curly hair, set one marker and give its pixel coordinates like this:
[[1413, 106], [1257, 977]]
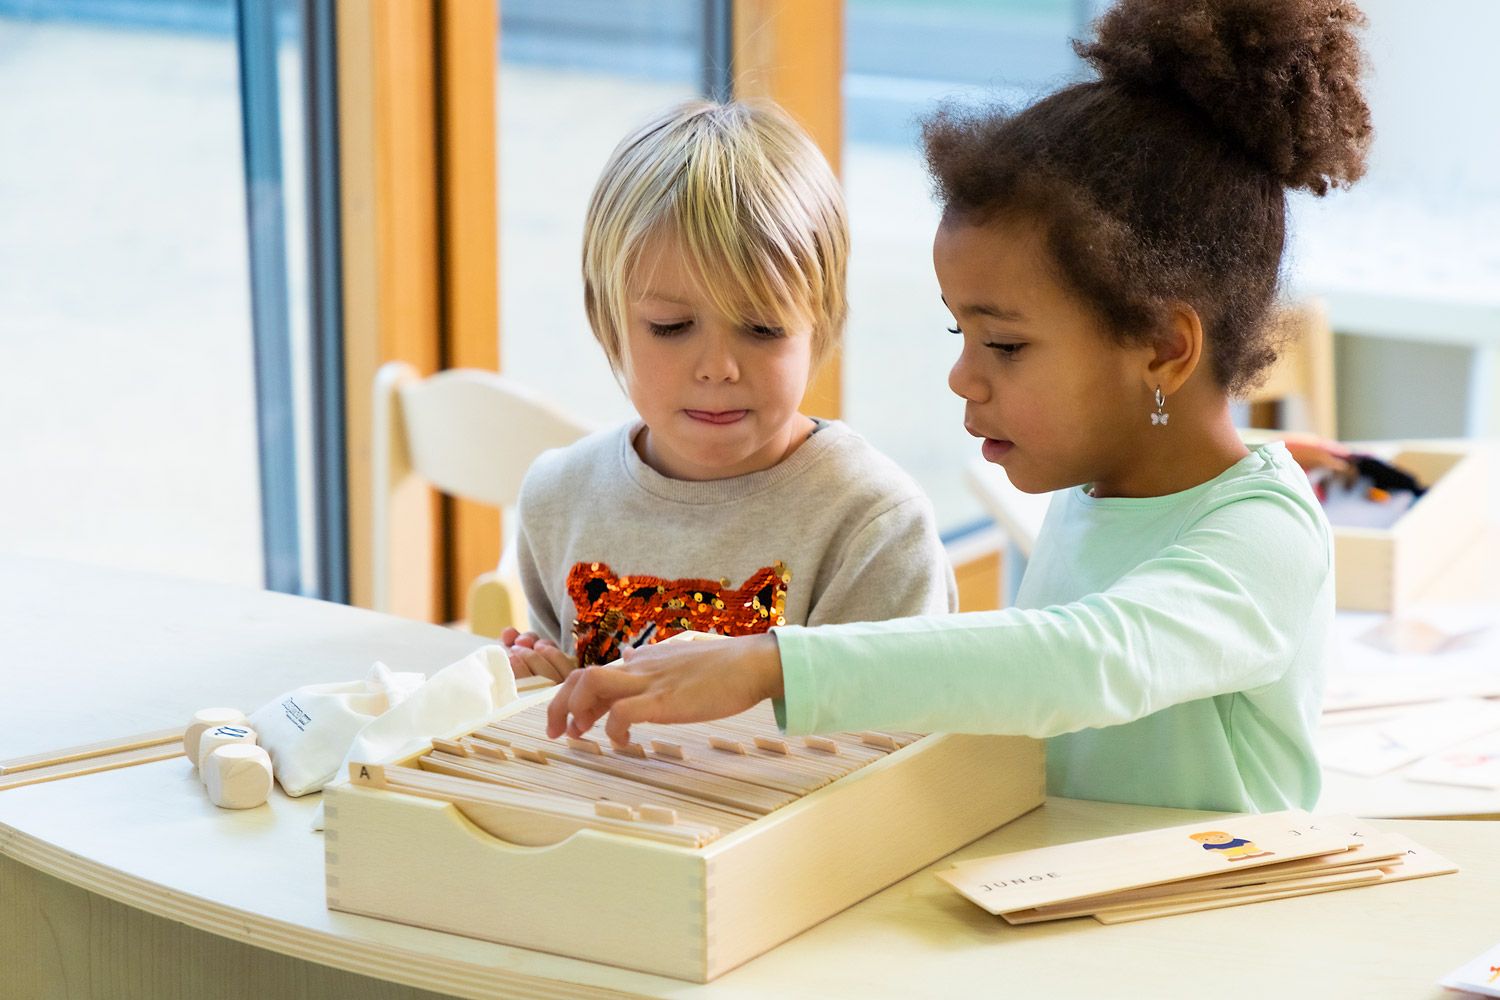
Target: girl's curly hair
[[1165, 179]]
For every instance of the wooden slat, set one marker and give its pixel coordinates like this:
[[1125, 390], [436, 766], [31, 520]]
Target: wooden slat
[[103, 747]]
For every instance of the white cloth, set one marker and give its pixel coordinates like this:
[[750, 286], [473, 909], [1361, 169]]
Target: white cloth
[[307, 731], [455, 700]]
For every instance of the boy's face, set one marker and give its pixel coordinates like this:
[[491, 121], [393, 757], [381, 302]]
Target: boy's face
[[1056, 400], [719, 398]]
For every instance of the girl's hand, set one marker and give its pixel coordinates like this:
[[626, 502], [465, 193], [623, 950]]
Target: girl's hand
[[668, 682]]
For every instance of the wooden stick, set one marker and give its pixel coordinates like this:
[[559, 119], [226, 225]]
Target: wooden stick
[[100, 749], [91, 765]]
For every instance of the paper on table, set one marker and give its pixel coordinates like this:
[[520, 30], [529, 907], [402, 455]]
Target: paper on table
[[1478, 975], [1363, 675], [1397, 741], [1051, 875], [1473, 764]]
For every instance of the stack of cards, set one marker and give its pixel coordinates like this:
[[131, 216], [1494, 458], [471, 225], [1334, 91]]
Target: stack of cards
[[1479, 975], [1202, 866]]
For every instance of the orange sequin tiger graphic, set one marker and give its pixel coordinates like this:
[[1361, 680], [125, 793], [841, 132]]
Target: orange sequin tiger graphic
[[615, 611]]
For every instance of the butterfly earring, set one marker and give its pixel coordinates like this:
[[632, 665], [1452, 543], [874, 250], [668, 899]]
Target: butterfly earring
[[1159, 418]]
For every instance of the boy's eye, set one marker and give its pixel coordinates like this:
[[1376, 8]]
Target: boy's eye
[[955, 330], [766, 332], [667, 329], [1005, 350]]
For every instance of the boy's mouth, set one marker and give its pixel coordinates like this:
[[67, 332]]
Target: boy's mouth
[[717, 416]]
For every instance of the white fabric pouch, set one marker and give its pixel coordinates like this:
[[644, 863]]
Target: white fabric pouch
[[455, 700], [307, 731]]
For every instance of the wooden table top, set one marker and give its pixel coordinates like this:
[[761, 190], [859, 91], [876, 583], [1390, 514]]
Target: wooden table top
[[154, 650], [154, 842]]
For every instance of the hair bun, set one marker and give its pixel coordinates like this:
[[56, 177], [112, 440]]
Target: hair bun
[[1280, 78]]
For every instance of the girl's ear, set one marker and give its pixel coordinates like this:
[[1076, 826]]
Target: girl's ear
[[1178, 349]]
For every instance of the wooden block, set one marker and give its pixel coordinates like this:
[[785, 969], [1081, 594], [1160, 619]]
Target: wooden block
[[237, 775], [772, 745], [584, 745], [665, 749], [613, 810], [223, 736], [732, 746], [204, 720], [535, 756], [450, 746], [631, 750], [881, 740], [659, 814], [821, 743], [491, 751]]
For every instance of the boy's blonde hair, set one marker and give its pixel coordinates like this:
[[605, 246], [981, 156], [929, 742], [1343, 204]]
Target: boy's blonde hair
[[755, 207]]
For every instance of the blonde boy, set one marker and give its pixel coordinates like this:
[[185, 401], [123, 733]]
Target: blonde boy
[[714, 261]]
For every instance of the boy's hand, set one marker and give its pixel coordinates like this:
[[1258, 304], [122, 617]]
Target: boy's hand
[[526, 640], [542, 659], [668, 682]]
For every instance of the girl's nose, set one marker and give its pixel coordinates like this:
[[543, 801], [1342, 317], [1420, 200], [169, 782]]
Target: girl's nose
[[965, 383]]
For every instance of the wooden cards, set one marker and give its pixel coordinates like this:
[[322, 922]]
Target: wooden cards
[[1204, 865]]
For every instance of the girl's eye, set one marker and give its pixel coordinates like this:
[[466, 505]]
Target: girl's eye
[[667, 329], [766, 332], [954, 329], [1005, 350]]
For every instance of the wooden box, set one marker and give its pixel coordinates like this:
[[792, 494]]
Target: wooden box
[[1386, 570], [690, 913]]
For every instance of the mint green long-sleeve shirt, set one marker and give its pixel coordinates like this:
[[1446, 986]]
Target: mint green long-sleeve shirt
[[1170, 649]]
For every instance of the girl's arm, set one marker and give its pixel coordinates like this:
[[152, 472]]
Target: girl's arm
[[1224, 609]]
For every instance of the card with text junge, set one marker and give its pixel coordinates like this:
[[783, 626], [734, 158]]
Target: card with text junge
[[1051, 875]]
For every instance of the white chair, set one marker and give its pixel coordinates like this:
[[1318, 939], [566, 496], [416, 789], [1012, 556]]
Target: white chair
[[471, 434]]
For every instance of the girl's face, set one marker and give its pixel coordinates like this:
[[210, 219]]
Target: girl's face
[[720, 398], [1057, 402]]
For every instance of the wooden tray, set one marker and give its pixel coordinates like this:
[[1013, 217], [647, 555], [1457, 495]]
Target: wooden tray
[[690, 913]]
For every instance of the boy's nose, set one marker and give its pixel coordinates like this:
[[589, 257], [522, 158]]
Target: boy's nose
[[717, 363]]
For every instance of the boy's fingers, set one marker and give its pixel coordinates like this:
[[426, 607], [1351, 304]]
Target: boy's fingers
[[526, 640], [518, 667], [538, 663], [554, 662], [508, 637]]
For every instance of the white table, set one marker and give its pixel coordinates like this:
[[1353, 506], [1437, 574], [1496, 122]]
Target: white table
[[89, 654], [128, 882]]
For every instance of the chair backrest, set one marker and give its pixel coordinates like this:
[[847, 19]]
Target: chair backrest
[[468, 433], [1304, 373]]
